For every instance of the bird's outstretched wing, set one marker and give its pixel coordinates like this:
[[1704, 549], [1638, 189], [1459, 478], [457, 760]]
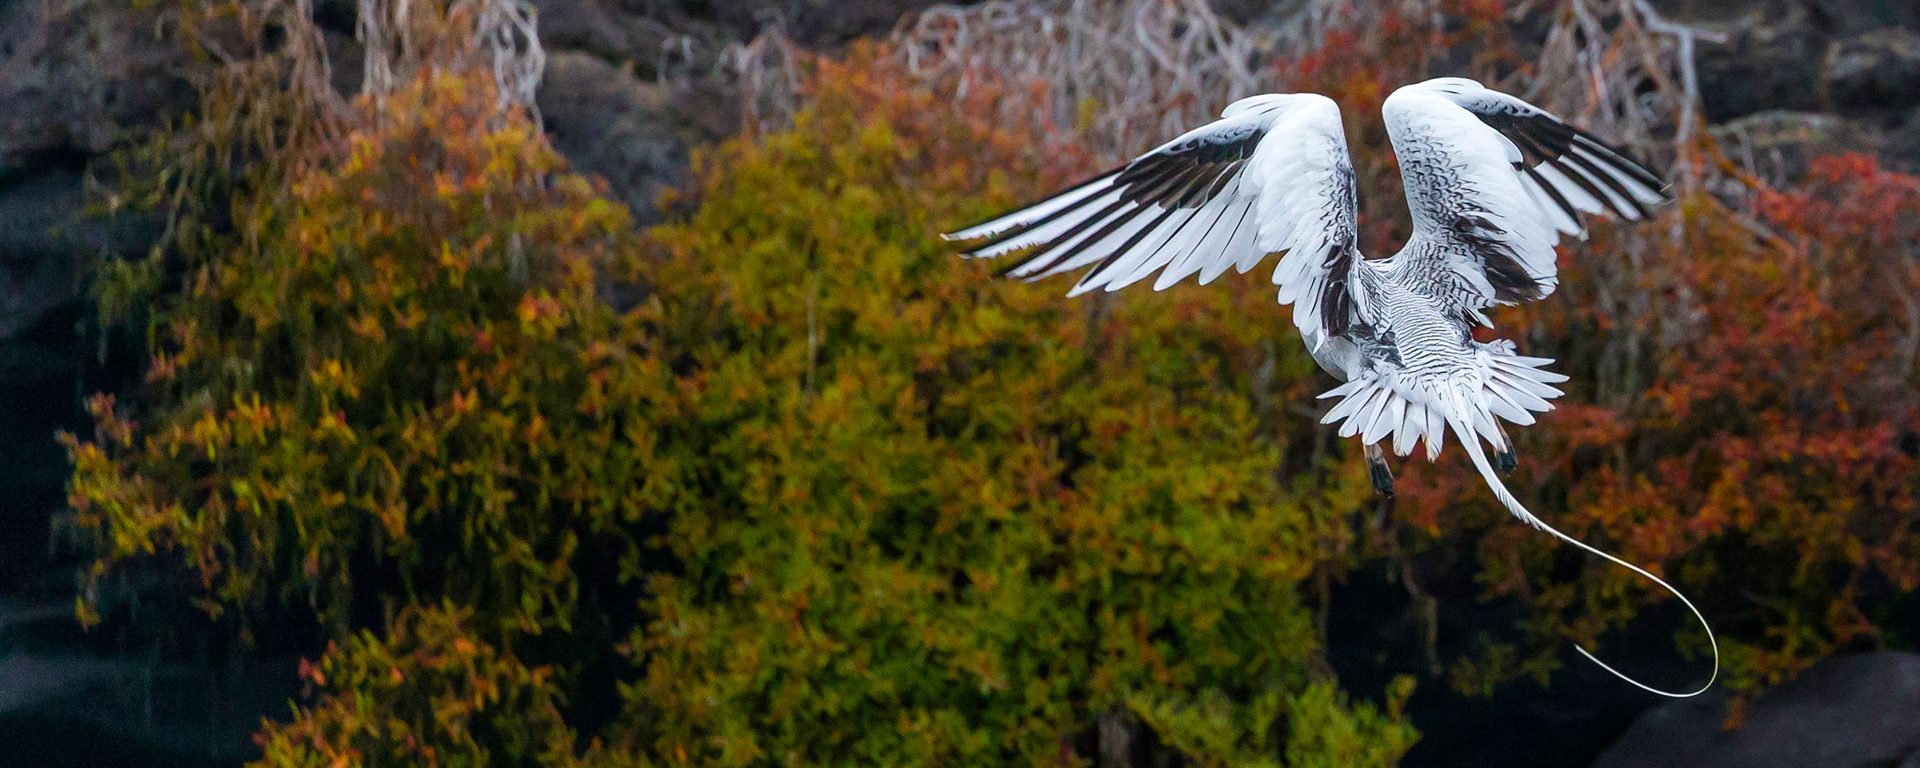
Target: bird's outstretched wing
[[1272, 174], [1493, 182]]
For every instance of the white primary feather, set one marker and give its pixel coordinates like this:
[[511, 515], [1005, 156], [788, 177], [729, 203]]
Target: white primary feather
[[1284, 183]]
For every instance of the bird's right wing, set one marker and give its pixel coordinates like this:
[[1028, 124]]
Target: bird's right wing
[[1272, 174], [1493, 182]]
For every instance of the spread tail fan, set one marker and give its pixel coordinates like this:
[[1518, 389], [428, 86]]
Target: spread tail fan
[[1471, 443], [1379, 403]]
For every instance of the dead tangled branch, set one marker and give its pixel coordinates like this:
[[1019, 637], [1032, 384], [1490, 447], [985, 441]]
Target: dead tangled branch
[[400, 39], [1123, 73], [1126, 73], [1615, 65], [1629, 71], [1118, 72], [261, 46], [769, 72]]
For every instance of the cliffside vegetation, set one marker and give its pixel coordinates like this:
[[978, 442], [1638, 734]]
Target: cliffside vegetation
[[782, 481]]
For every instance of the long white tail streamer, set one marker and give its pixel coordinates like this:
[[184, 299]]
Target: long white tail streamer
[[1506, 498]]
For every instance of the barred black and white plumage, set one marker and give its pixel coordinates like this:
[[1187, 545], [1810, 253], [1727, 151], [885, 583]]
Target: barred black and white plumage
[[1492, 183]]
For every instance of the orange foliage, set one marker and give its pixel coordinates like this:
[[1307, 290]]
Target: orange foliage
[[1742, 413]]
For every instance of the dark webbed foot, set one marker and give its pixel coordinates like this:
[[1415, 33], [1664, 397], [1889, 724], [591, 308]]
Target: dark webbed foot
[[1377, 467], [1382, 479], [1505, 460]]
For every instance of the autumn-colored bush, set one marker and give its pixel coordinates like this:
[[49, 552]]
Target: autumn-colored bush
[[944, 518], [826, 495], [820, 492], [1771, 459], [393, 395], [423, 692], [1743, 411]]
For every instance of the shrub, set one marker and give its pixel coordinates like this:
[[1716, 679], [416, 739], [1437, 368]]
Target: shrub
[[424, 693], [825, 493], [833, 494], [943, 518], [383, 390]]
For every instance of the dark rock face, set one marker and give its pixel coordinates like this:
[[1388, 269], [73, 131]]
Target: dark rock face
[[1875, 73], [78, 78], [644, 33], [815, 23], [1779, 144], [73, 82], [1856, 62], [37, 268], [605, 28], [1376, 630], [1847, 712], [1903, 144], [616, 126], [1767, 63], [607, 104], [1856, 16], [75, 79]]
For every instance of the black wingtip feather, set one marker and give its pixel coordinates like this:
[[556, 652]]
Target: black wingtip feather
[[1509, 278], [1621, 158], [1545, 140], [1613, 185], [1020, 228]]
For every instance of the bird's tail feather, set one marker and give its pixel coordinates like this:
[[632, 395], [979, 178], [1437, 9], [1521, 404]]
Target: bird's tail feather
[[1401, 406], [1470, 442], [1513, 387]]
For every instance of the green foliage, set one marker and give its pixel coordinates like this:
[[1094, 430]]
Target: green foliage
[[424, 694], [827, 494], [943, 518], [1322, 729], [386, 388], [835, 495]]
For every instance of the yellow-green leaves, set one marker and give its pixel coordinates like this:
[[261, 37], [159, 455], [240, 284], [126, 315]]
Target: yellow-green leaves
[[827, 495], [944, 519]]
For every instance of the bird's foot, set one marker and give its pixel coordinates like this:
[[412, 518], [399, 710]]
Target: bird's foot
[[1506, 461], [1377, 467], [1382, 479], [1382, 484], [1504, 458]]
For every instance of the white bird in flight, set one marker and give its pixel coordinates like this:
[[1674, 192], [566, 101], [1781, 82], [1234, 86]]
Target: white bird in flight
[[1492, 182]]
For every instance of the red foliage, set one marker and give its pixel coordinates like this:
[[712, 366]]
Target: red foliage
[[1742, 413]]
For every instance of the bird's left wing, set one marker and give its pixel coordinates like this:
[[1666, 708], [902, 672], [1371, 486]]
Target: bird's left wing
[[1493, 182], [1272, 174]]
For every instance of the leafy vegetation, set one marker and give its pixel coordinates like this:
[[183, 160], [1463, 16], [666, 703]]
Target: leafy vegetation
[[945, 519], [830, 494], [785, 482]]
